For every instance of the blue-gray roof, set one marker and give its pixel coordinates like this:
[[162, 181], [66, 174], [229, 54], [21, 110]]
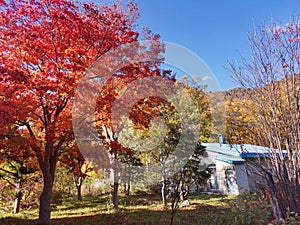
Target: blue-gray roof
[[236, 154]]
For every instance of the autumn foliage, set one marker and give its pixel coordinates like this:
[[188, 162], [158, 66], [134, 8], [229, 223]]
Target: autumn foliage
[[45, 48]]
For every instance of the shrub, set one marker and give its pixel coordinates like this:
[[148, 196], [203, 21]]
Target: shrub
[[57, 197], [247, 209], [291, 219]]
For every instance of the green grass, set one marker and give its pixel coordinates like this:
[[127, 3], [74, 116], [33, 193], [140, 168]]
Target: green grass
[[94, 210]]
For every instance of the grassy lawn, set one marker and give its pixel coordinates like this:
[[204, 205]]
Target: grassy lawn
[[204, 209]]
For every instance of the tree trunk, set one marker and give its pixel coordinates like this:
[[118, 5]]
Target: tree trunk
[[79, 196], [114, 195], [116, 187], [45, 202], [124, 187], [182, 192], [163, 197], [78, 184], [18, 197], [128, 189], [187, 192], [48, 166], [113, 183], [174, 205], [17, 203], [172, 217], [128, 181]]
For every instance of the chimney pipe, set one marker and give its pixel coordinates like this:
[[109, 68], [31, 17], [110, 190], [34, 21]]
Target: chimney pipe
[[222, 139]]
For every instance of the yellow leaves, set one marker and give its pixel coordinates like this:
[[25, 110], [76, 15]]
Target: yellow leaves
[[87, 168], [69, 51], [240, 119], [64, 94]]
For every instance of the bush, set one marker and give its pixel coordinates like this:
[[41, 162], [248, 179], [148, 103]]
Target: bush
[[248, 209], [57, 197], [154, 188], [291, 219]]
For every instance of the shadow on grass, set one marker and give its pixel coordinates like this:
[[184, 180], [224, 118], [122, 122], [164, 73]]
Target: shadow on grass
[[15, 221], [92, 212], [191, 215], [89, 202]]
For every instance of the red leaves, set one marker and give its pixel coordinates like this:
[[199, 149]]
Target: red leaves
[[115, 147], [14, 145], [47, 45], [3, 3]]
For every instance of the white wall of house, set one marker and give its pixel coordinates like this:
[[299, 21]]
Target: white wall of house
[[231, 179], [223, 184]]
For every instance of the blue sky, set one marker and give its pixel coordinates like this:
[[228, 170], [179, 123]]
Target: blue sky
[[214, 30]]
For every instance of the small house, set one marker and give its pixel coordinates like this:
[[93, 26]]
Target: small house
[[233, 169]]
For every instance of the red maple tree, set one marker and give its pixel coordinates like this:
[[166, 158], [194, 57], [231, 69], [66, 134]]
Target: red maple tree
[[46, 46]]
